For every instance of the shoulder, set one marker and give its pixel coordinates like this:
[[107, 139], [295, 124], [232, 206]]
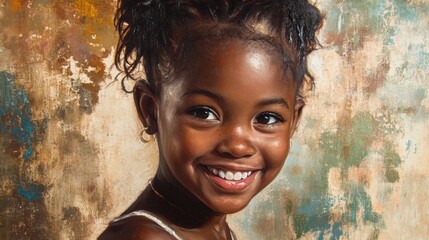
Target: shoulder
[[135, 228]]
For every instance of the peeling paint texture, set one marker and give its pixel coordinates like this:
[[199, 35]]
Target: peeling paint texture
[[71, 160]]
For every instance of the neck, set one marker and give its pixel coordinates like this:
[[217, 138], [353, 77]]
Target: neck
[[168, 199], [181, 207]]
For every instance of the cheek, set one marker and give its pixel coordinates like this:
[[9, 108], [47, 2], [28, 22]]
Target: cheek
[[190, 144], [276, 152]]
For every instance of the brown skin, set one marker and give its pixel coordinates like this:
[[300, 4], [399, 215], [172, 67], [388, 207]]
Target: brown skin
[[233, 108]]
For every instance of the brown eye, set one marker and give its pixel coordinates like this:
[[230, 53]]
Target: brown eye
[[268, 118], [203, 113]]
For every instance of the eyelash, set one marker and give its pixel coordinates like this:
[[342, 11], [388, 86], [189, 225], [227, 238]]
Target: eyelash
[[205, 110], [277, 118]]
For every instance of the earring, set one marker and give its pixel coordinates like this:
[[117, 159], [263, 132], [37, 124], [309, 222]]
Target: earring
[[144, 136]]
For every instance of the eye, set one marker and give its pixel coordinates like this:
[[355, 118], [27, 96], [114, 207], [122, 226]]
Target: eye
[[203, 113], [268, 118]]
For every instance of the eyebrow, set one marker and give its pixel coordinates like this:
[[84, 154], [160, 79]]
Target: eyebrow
[[265, 102], [203, 92], [271, 101]]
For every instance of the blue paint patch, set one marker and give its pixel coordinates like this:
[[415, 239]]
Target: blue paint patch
[[360, 200], [391, 33], [337, 231], [408, 145], [15, 115], [30, 191], [419, 53], [423, 58], [313, 216], [406, 11]]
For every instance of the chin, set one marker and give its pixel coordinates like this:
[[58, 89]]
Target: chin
[[229, 205]]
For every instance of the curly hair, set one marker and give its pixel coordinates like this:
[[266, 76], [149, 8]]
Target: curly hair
[[152, 33]]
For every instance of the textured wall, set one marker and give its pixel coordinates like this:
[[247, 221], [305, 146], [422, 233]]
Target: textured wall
[[70, 158]]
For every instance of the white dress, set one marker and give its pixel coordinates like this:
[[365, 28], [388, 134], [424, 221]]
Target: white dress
[[155, 219]]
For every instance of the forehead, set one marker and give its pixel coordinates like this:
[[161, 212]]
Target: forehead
[[235, 56], [235, 64], [223, 47]]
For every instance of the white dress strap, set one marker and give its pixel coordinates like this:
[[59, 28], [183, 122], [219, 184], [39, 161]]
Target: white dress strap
[[156, 220], [152, 217]]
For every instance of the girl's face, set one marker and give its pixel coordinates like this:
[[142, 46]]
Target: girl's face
[[225, 124]]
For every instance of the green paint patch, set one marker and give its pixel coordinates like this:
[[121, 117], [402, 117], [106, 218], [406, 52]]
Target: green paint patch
[[391, 32], [406, 11], [337, 231], [361, 14], [349, 145], [391, 175], [270, 217], [391, 161], [359, 207], [313, 216], [345, 148], [356, 20], [350, 23], [44, 2], [421, 94]]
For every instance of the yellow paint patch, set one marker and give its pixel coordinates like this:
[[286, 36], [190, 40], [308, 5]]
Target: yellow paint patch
[[86, 8], [16, 5]]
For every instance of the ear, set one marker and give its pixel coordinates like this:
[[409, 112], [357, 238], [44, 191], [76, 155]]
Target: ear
[[299, 106], [146, 104]]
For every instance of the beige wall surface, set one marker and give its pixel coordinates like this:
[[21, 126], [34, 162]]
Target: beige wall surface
[[71, 160]]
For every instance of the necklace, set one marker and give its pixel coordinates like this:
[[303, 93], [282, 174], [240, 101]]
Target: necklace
[[176, 207], [166, 200]]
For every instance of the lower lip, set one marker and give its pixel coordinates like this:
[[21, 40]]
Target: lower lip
[[231, 185]]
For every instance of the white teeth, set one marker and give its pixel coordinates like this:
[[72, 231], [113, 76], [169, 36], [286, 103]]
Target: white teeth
[[237, 176], [221, 174], [228, 175]]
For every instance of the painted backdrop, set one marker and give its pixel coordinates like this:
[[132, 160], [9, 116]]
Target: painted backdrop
[[70, 158]]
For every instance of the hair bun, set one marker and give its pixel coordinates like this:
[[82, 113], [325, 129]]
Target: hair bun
[[147, 38]]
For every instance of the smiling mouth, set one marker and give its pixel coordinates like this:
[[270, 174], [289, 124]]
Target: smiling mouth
[[230, 181], [230, 175]]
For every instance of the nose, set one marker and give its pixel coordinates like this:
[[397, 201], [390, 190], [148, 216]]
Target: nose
[[236, 143]]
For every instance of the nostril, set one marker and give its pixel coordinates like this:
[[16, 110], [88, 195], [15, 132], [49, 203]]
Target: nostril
[[236, 142], [236, 150], [230, 156], [227, 155]]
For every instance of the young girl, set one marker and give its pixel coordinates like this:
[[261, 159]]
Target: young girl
[[222, 98]]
